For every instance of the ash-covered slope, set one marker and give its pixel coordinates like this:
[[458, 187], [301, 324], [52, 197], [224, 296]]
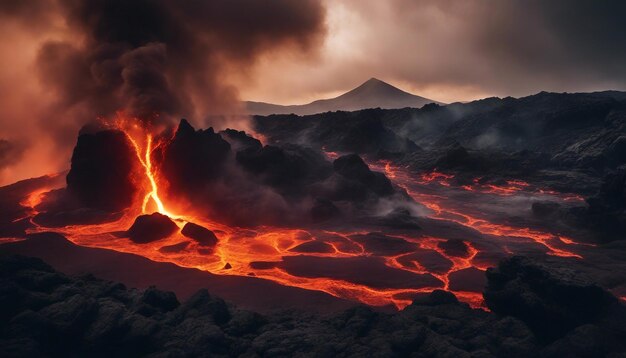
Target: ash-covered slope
[[557, 141], [373, 93], [45, 312]]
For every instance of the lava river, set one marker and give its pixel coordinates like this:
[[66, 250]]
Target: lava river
[[341, 263]]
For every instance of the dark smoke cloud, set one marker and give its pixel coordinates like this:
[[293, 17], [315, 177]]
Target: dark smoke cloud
[[460, 50], [158, 60], [168, 58]]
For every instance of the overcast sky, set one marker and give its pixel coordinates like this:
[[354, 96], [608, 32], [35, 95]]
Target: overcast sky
[[66, 62], [454, 50]]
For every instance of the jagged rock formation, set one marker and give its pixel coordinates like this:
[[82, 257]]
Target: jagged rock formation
[[44, 312]]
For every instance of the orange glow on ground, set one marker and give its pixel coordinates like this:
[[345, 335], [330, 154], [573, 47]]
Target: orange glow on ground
[[239, 247]]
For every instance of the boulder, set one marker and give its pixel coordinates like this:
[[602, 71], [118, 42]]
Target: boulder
[[203, 236], [149, 228]]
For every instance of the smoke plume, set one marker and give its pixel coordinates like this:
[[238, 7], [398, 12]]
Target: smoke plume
[[155, 60]]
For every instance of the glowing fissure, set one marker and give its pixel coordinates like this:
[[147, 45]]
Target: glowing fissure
[[239, 247], [146, 163], [434, 203]]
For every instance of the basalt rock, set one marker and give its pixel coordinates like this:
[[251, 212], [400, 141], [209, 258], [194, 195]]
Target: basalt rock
[[554, 301], [359, 132], [203, 236], [606, 212], [100, 175], [194, 158], [239, 140], [46, 313], [286, 168], [149, 228], [354, 168]]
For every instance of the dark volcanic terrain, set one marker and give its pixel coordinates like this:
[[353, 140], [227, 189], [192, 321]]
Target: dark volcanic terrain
[[536, 312], [492, 228]]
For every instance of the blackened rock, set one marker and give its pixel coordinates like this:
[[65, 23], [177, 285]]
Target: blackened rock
[[239, 140], [285, 168], [314, 246], [174, 248], [202, 235], [454, 247], [353, 167], [10, 265], [606, 213], [164, 301], [149, 228], [102, 166], [194, 158], [584, 341], [73, 315], [109, 323], [613, 190], [356, 321], [552, 303], [202, 304], [435, 298], [245, 322], [453, 156], [616, 152]]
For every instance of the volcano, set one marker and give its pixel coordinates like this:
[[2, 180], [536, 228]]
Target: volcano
[[361, 218], [373, 93], [147, 210]]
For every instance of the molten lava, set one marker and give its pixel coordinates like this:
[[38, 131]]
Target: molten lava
[[261, 251], [146, 162], [441, 211]]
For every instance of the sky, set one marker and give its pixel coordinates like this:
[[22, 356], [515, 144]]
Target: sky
[[64, 63], [454, 50]]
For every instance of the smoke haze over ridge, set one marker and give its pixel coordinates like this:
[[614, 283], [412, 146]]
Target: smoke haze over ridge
[[72, 61]]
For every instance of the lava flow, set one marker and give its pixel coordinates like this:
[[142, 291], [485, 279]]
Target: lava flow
[[299, 257], [484, 226]]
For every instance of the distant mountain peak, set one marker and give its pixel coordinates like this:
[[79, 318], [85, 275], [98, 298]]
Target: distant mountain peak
[[375, 81], [372, 93]]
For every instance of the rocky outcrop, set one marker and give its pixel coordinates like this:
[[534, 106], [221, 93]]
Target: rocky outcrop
[[102, 165], [43, 312], [240, 140], [558, 304], [193, 158], [203, 236], [149, 228], [352, 167]]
